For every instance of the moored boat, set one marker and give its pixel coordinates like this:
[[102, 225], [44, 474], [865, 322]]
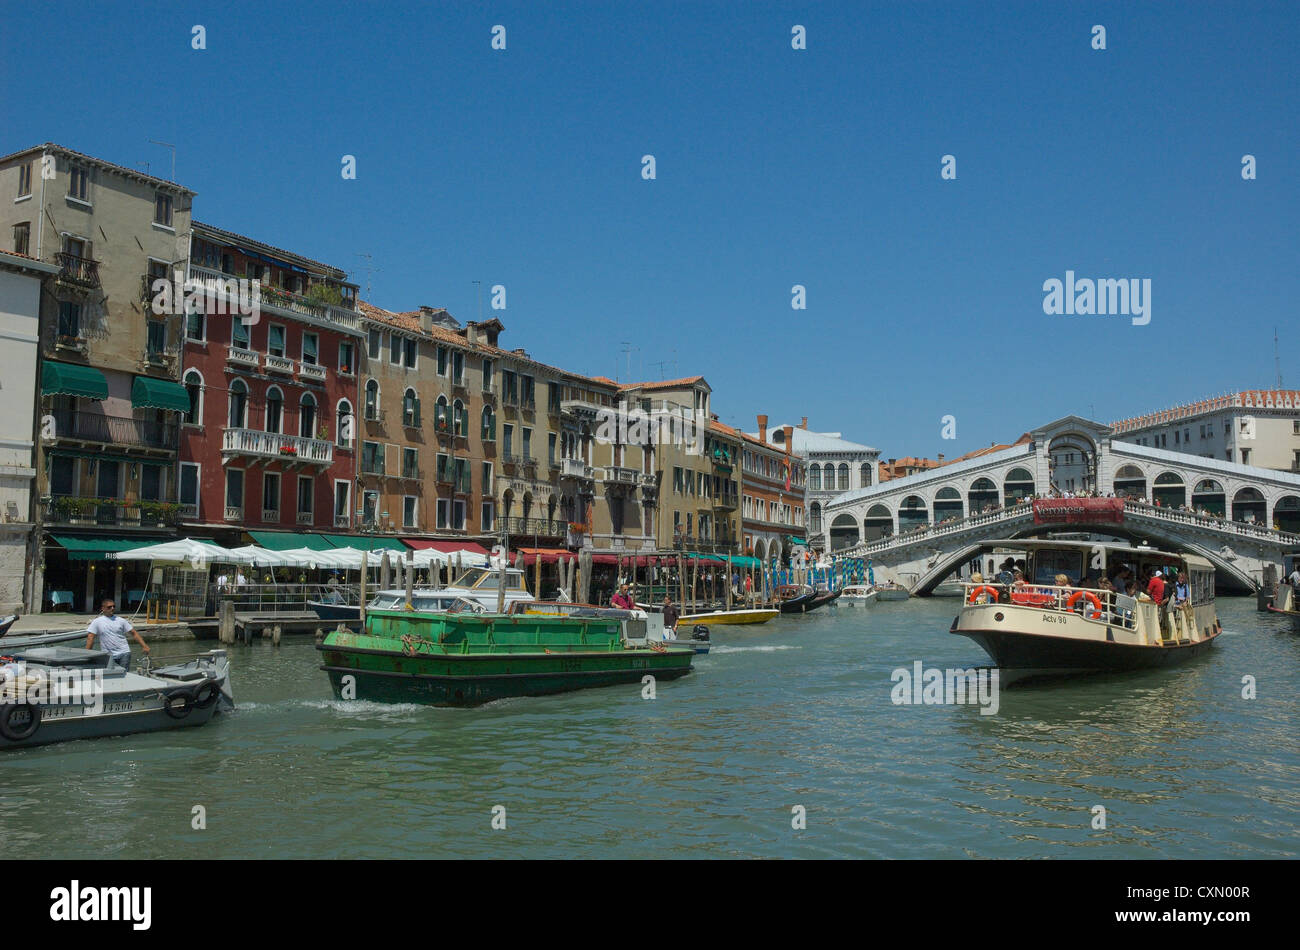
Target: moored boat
[[1284, 604], [794, 598], [12, 642], [467, 659], [858, 595], [892, 591], [54, 694], [1042, 628]]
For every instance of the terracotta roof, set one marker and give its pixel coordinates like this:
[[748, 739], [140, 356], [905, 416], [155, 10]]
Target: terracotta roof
[[662, 384], [329, 269], [132, 172], [1246, 398]]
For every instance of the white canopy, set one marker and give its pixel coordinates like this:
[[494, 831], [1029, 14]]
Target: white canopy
[[197, 553], [264, 557]]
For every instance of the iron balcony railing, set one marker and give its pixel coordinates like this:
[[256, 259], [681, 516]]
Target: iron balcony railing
[[65, 509], [78, 270], [276, 298], [115, 430], [551, 527]]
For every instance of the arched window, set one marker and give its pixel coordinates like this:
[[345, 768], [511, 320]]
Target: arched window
[[844, 476], [238, 405], [410, 409], [274, 410], [442, 416], [815, 517], [864, 475], [194, 386], [814, 477], [307, 416], [343, 425], [372, 399], [459, 418], [490, 425]]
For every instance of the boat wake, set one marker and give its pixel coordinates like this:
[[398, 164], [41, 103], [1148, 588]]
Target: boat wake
[[758, 649]]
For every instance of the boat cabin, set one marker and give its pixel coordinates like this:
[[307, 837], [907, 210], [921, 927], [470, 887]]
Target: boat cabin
[[488, 578], [425, 601]]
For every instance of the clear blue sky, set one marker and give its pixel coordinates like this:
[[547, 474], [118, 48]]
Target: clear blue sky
[[775, 167]]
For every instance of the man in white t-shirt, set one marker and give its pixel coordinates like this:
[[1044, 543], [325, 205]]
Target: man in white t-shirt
[[112, 631]]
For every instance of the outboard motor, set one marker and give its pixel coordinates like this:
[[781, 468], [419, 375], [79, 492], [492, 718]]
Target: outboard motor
[[701, 632]]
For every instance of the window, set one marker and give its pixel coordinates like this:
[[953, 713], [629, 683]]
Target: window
[[239, 338], [678, 480], [457, 368], [844, 477], [442, 360], [411, 348], [372, 400], [375, 343], [487, 375], [462, 479], [460, 419], [395, 349], [196, 326], [156, 339], [372, 458], [553, 397], [342, 503], [79, 183], [410, 409], [458, 515], [526, 447], [550, 448], [410, 463], [271, 497], [23, 238], [274, 410], [234, 491], [487, 478], [815, 477], [151, 482], [69, 320], [311, 349], [189, 486], [509, 386], [1245, 456], [162, 210], [306, 499], [442, 513], [194, 386], [485, 518], [408, 511], [275, 340], [442, 415], [24, 180], [347, 357], [526, 384], [507, 438], [489, 433], [238, 405], [369, 507], [307, 417], [343, 425], [444, 470]]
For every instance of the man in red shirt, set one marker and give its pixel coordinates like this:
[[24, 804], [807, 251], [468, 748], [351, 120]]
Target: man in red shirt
[[1157, 587]]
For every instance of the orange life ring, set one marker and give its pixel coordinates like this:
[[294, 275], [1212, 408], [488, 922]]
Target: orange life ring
[[974, 595], [1096, 602]]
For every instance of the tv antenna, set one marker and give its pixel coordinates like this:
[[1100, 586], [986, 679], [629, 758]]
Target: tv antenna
[[370, 269], [1277, 360], [173, 148], [627, 351], [478, 298], [661, 364]]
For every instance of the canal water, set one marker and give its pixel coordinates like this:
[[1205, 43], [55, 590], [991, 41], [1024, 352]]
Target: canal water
[[786, 724]]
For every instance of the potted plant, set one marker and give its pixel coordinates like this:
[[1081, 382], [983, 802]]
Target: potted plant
[[323, 433]]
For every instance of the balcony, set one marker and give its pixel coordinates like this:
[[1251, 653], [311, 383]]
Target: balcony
[[306, 517], [271, 515], [575, 468], [292, 449], [279, 364], [109, 512], [725, 502], [81, 271], [311, 371], [582, 409], [189, 512], [342, 521], [284, 302], [234, 512], [622, 476], [245, 359], [114, 430], [541, 527], [412, 473]]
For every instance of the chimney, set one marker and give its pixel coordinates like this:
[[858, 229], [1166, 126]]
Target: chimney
[[471, 332], [804, 425], [762, 428], [789, 437], [940, 458], [426, 319]]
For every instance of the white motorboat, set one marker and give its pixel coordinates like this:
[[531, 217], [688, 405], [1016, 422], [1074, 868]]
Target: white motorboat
[[858, 595]]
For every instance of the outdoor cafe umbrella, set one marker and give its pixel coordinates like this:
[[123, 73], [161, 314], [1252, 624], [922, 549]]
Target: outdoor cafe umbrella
[[197, 553]]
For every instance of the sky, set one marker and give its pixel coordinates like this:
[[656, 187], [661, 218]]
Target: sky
[[774, 167]]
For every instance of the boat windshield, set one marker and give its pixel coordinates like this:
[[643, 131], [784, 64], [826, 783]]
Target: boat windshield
[[483, 578]]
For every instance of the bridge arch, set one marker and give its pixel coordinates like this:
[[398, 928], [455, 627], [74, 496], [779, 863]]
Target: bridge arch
[[947, 504], [1248, 504], [844, 532], [1286, 513], [1209, 494], [1169, 489], [983, 493], [912, 513], [877, 523], [1017, 485], [1130, 481]]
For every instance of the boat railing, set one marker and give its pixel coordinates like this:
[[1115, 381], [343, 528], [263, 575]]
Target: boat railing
[[1093, 604]]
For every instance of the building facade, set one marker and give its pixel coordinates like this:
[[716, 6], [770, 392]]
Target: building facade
[[773, 483], [268, 439], [110, 364], [20, 300]]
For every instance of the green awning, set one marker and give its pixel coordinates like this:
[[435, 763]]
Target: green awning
[[741, 560], [365, 542], [69, 379], [150, 393], [793, 540], [289, 540], [98, 548]]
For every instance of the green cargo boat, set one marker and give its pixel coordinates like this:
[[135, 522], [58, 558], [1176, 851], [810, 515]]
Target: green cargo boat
[[466, 659]]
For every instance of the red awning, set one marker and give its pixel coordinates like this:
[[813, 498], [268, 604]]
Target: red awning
[[548, 555], [642, 560], [446, 547]]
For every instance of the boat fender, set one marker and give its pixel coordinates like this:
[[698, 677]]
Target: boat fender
[[975, 594], [1092, 598], [701, 632], [179, 703], [19, 733], [207, 693]]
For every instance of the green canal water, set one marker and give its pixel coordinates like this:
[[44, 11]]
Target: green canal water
[[796, 713]]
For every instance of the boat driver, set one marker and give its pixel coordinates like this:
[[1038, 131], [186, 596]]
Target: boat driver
[[112, 631]]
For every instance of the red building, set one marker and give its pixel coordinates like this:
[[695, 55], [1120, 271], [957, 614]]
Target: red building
[[269, 439]]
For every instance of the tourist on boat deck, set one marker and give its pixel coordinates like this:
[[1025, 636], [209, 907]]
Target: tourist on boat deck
[[112, 631], [1156, 587], [621, 600], [1182, 593], [670, 618], [1295, 578]]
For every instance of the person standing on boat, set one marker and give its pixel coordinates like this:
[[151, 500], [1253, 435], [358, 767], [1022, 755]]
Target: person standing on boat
[[670, 618], [621, 600], [112, 632], [1156, 588]]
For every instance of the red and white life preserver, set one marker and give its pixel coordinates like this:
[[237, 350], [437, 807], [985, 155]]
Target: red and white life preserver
[[974, 594], [1096, 602]]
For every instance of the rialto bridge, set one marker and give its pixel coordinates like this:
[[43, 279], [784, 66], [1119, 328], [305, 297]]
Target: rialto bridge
[[923, 526]]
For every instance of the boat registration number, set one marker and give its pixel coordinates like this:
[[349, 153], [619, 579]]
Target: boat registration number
[[61, 712], [119, 707], [1053, 618]]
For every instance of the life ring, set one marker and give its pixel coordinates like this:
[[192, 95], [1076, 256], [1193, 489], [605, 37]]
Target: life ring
[[206, 694], [974, 595], [186, 698], [1096, 602], [23, 732]]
